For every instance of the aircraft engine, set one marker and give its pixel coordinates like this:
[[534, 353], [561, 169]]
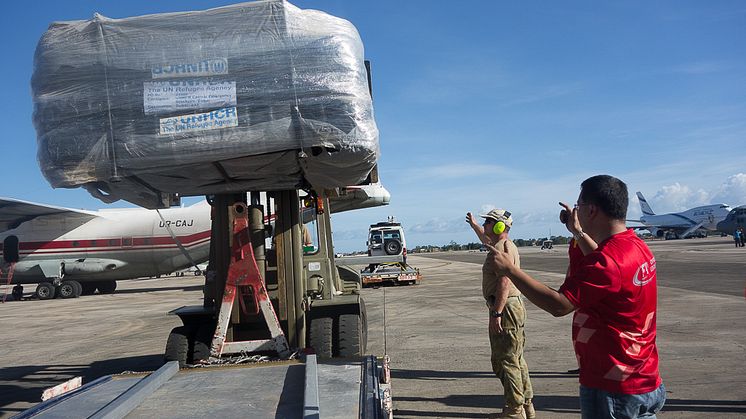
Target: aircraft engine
[[91, 266]]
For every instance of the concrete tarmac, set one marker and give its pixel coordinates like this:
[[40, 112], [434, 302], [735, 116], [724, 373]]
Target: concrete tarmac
[[436, 335]]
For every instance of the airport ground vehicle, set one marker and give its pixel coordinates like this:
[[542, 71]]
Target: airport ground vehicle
[[387, 256], [386, 239], [547, 244]]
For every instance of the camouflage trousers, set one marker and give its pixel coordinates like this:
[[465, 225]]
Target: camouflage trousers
[[507, 354]]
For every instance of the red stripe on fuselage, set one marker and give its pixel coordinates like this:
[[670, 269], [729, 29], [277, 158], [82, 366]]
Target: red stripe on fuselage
[[98, 245]]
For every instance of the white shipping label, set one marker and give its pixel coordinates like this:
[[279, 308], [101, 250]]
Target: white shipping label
[[175, 95], [219, 118], [212, 67]]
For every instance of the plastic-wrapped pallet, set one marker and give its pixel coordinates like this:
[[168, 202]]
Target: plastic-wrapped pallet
[[252, 96]]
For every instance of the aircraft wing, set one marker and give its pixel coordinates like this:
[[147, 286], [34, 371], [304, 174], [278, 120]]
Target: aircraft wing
[[14, 212]]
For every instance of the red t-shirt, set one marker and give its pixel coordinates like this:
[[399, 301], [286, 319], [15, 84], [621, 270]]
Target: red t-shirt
[[576, 257], [613, 329]]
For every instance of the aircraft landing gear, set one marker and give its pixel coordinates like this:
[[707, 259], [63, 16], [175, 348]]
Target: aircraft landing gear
[[107, 287], [17, 292], [45, 291], [69, 289]]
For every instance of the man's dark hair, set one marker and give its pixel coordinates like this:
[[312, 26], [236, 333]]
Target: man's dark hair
[[607, 193]]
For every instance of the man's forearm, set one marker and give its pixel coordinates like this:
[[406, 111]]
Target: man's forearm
[[538, 293], [586, 244], [480, 233]]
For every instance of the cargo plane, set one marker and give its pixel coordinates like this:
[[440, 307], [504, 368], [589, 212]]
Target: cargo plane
[[70, 252], [680, 224]]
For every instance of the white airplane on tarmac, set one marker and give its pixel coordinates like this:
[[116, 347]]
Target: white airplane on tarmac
[[681, 224], [70, 252]]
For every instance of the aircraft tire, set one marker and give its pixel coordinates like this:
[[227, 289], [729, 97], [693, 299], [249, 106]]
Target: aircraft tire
[[17, 293], [67, 290], [88, 288], [320, 336], [45, 291], [107, 287], [78, 288], [177, 346]]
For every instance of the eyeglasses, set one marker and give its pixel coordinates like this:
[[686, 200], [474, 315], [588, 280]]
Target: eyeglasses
[[580, 204]]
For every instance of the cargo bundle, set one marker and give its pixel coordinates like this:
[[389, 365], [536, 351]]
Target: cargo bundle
[[253, 96]]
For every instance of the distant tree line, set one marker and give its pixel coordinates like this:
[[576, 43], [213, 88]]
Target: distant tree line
[[452, 245]]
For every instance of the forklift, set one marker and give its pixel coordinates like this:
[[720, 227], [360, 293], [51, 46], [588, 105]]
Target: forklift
[[266, 291]]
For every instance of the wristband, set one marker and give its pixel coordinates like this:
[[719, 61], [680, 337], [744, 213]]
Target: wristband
[[579, 235], [495, 313]]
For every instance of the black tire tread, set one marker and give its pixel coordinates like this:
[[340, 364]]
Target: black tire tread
[[320, 336], [350, 335], [177, 346]]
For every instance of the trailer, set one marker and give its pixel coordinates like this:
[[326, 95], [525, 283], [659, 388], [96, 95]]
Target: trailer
[[306, 388], [380, 270]]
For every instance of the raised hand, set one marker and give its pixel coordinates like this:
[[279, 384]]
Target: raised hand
[[569, 217]]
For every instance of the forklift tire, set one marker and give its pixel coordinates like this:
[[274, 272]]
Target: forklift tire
[[45, 291], [88, 288], [203, 342], [107, 287], [351, 336], [320, 336], [177, 346], [67, 290]]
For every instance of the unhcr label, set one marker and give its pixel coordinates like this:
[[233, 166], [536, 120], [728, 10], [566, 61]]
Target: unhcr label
[[211, 67], [219, 118], [174, 95]]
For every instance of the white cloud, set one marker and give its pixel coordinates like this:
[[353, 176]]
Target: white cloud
[[732, 191], [678, 197]]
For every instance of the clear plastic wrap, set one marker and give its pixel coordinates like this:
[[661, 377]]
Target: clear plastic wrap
[[253, 96]]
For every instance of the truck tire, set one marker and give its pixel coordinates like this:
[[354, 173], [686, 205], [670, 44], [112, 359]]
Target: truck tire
[[392, 247], [351, 335], [67, 290], [177, 346], [320, 336], [45, 291], [107, 287]]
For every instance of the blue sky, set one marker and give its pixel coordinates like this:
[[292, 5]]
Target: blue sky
[[492, 104]]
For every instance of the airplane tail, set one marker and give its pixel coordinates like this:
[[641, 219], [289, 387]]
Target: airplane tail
[[644, 206]]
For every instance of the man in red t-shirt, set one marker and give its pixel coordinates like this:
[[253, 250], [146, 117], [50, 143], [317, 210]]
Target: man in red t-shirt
[[612, 289]]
